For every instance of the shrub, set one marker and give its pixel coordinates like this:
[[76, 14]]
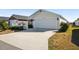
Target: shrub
[[64, 27], [16, 28], [1, 27], [30, 26], [4, 25], [73, 23]]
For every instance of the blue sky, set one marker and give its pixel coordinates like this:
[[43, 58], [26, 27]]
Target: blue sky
[[69, 14]]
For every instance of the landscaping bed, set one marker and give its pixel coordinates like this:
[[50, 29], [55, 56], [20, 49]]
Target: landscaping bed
[[6, 32], [62, 41]]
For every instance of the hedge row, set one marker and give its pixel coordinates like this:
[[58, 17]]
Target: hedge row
[[16, 28]]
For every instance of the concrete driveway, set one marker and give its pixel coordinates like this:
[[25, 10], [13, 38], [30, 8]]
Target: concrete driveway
[[28, 40]]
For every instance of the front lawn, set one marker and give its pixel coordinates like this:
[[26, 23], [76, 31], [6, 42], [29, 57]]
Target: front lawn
[[62, 40]]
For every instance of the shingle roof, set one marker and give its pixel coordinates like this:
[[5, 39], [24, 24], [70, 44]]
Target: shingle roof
[[20, 17]]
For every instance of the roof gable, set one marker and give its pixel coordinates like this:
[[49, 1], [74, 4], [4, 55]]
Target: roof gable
[[41, 10]]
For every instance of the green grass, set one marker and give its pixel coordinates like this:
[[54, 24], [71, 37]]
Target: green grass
[[69, 30]]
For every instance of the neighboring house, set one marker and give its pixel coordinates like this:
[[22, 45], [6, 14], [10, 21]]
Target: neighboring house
[[76, 22], [18, 20], [47, 20]]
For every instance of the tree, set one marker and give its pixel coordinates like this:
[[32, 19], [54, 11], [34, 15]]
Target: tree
[[4, 25]]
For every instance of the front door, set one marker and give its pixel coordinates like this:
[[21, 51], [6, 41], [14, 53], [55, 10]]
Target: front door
[[30, 24]]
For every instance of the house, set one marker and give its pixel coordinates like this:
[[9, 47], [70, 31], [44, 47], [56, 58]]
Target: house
[[47, 20], [18, 20], [76, 22], [40, 19]]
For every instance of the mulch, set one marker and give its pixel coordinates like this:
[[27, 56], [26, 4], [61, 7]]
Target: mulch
[[6, 32]]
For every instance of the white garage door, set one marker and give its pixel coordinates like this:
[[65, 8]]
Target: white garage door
[[46, 23]]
